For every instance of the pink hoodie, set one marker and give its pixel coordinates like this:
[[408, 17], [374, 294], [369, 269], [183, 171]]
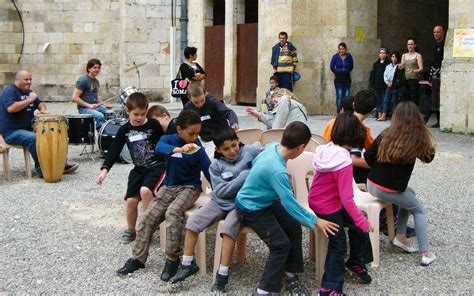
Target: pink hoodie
[[332, 184]]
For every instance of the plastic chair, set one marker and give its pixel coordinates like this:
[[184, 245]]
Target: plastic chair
[[5, 151], [311, 147], [320, 140], [249, 136], [273, 135]]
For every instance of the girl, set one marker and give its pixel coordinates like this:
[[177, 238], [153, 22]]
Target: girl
[[377, 80], [342, 65], [392, 157], [412, 62], [331, 197], [389, 76]]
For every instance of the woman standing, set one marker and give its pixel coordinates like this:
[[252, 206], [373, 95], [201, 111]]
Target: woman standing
[[342, 65], [377, 82], [190, 70], [412, 62]]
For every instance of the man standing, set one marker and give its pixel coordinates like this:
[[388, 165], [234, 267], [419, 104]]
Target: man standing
[[86, 94], [284, 61], [17, 106], [435, 71]]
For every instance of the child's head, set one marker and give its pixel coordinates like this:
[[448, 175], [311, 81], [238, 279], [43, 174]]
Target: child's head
[[137, 105], [347, 104], [188, 125], [395, 57], [196, 94], [295, 137], [364, 102], [159, 113], [407, 137], [348, 131], [273, 82], [227, 143]]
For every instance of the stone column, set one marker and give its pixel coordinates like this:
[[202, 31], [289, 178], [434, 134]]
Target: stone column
[[198, 20]]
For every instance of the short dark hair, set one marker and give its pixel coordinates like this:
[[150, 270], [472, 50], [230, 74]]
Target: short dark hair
[[364, 102], [348, 130], [397, 54], [348, 104], [91, 63], [157, 111], [137, 101], [188, 117], [189, 51], [283, 33], [273, 77], [225, 134], [343, 44], [295, 134]]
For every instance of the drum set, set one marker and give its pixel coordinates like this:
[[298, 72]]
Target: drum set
[[54, 132]]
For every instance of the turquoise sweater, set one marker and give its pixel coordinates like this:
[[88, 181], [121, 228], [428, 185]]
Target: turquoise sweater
[[267, 182]]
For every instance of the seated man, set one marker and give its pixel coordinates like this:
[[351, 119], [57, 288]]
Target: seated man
[[17, 106], [86, 93]]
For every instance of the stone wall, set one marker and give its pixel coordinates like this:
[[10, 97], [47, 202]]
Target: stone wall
[[10, 41], [61, 36]]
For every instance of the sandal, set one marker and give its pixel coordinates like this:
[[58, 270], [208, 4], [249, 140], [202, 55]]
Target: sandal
[[128, 236]]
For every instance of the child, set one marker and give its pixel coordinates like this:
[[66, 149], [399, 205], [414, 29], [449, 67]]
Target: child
[[268, 95], [347, 105], [181, 189], [161, 114], [389, 76], [377, 80], [141, 135], [267, 204], [230, 167], [213, 112], [331, 197], [392, 159]]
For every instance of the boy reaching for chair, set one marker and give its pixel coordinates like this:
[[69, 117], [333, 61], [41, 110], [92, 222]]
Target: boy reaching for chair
[[228, 170], [141, 135]]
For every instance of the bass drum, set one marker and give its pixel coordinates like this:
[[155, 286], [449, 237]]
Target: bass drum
[[107, 134]]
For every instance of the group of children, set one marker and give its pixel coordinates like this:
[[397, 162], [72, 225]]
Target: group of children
[[169, 155]]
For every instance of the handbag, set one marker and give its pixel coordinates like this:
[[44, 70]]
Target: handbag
[[398, 78], [179, 86]]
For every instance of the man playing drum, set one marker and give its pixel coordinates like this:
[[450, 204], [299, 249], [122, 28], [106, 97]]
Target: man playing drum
[[17, 106], [86, 94]]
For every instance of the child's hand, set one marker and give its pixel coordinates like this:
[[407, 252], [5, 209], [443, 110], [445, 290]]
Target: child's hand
[[101, 177], [370, 229], [188, 148], [327, 227]]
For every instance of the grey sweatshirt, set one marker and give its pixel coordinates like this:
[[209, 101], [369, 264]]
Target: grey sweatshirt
[[228, 176], [286, 112]]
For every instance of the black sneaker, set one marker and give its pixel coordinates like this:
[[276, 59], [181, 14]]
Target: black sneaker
[[410, 232], [184, 271], [130, 266], [219, 285], [361, 272], [169, 270], [436, 125], [296, 287], [70, 168]]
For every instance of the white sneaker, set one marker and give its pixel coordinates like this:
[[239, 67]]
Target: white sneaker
[[425, 261], [408, 249]]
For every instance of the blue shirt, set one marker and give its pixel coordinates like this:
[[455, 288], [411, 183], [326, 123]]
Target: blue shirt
[[10, 122], [183, 169], [267, 182]]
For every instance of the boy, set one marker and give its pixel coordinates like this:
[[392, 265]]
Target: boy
[[228, 171], [267, 204], [185, 159], [141, 135], [268, 95], [161, 114], [213, 112]]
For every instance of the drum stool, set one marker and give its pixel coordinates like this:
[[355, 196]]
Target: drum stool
[[6, 162]]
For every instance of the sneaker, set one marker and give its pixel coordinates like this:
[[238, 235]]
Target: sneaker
[[436, 125], [70, 168], [170, 269], [39, 173], [219, 284], [130, 266], [329, 292], [408, 249], [184, 271], [255, 293], [361, 272], [296, 287], [425, 260], [410, 232], [128, 236]]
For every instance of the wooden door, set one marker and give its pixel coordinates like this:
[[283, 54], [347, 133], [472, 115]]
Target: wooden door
[[247, 62], [214, 60]]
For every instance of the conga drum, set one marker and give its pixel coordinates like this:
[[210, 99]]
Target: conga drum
[[51, 145]]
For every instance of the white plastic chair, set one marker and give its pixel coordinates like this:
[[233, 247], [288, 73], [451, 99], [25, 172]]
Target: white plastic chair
[[5, 151], [273, 135], [249, 136]]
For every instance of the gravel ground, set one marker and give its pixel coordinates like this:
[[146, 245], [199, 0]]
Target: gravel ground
[[63, 237]]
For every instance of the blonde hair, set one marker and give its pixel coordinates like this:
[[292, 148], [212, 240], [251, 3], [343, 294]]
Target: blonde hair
[[195, 89], [284, 92]]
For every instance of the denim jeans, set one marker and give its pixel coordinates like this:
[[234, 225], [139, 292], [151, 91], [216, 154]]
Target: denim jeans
[[391, 96], [26, 139], [285, 80], [342, 91], [98, 114], [380, 94], [282, 234], [359, 243]]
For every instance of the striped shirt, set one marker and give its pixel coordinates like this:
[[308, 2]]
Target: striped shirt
[[287, 59]]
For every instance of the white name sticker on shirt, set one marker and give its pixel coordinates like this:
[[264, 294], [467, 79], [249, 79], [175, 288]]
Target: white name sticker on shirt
[[177, 155], [205, 117], [227, 175], [137, 137]]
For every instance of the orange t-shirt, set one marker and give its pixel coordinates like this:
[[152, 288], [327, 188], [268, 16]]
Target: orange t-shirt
[[328, 129]]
